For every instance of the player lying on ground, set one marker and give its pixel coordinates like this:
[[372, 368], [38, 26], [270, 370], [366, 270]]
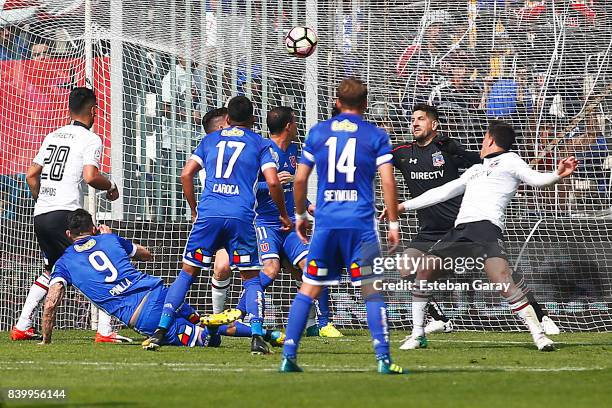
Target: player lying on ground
[[487, 189], [98, 264], [347, 152], [283, 130], [68, 156], [430, 161], [232, 158]]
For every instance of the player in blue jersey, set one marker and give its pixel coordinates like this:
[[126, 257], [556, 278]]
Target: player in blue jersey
[[99, 266], [347, 151], [276, 245], [232, 159]]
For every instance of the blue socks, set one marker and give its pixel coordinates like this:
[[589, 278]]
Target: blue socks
[[174, 299], [265, 280], [377, 323], [298, 314], [323, 307], [254, 297]]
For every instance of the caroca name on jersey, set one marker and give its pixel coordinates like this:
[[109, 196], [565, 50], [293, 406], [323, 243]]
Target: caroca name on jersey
[[231, 189]]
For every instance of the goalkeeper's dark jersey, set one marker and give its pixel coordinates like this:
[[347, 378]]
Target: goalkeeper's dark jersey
[[429, 167]]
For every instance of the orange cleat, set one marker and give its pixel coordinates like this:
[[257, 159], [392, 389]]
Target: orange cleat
[[112, 338], [29, 334]]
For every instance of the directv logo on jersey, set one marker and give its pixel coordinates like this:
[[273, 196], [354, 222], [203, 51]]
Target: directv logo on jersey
[[426, 175], [437, 159], [231, 189]]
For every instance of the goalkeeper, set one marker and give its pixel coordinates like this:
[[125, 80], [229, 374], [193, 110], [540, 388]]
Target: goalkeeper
[[98, 264]]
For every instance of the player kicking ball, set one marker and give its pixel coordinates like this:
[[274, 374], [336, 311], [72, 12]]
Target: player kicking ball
[[487, 189], [98, 264], [348, 152]]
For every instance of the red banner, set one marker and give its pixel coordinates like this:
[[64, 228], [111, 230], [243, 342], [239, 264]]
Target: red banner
[[34, 102]]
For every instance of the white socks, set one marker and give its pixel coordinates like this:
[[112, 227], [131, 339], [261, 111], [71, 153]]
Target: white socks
[[528, 315], [37, 293], [219, 293], [104, 323]]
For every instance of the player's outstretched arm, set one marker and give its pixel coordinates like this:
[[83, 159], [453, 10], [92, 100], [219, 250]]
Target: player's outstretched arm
[[187, 174], [390, 197], [94, 178], [534, 178], [54, 298], [435, 195], [277, 195], [33, 179], [300, 190], [141, 253]]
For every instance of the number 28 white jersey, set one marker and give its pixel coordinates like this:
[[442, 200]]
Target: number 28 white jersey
[[63, 154]]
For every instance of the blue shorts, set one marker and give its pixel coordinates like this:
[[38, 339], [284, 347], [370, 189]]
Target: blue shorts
[[181, 333], [275, 243], [331, 250], [212, 233]]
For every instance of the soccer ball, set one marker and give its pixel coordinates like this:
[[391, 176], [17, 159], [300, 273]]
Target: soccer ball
[[301, 41]]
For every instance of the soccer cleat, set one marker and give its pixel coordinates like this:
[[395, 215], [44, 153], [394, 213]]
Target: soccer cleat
[[29, 334], [155, 341], [289, 365], [550, 328], [259, 346], [217, 319], [330, 330], [544, 343], [412, 343], [276, 338], [114, 337], [312, 331], [439, 326], [387, 367]]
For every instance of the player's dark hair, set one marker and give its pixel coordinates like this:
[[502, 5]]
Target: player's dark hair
[[239, 109], [278, 118], [79, 222], [430, 111], [503, 134], [81, 99], [209, 121], [352, 93]]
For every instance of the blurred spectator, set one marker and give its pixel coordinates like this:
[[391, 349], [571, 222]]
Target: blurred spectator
[[12, 44]]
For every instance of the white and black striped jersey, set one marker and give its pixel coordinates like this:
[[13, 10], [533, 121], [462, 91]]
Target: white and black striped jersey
[[62, 155]]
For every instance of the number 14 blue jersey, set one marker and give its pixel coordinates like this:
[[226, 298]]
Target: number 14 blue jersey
[[347, 151]]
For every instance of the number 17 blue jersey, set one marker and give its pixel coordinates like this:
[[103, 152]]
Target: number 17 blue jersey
[[100, 267], [347, 151], [232, 159]]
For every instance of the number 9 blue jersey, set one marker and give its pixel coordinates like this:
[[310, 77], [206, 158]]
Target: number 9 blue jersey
[[100, 267], [232, 159], [347, 151]]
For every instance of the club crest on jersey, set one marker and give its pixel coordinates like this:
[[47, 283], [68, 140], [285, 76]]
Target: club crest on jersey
[[275, 156], [86, 246], [265, 247], [232, 132], [344, 126], [293, 161], [437, 159]]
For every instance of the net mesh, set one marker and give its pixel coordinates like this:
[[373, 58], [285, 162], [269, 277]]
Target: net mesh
[[158, 66]]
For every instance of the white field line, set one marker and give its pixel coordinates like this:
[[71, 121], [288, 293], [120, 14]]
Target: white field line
[[213, 367]]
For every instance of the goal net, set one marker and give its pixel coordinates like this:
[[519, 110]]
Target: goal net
[[158, 66]]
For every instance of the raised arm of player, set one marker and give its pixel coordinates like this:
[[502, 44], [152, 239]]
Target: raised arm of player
[[390, 197], [536, 179], [140, 253], [277, 195], [435, 195], [300, 190], [33, 179], [54, 298], [189, 171]]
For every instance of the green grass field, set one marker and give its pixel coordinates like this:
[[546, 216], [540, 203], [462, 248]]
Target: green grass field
[[458, 370]]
